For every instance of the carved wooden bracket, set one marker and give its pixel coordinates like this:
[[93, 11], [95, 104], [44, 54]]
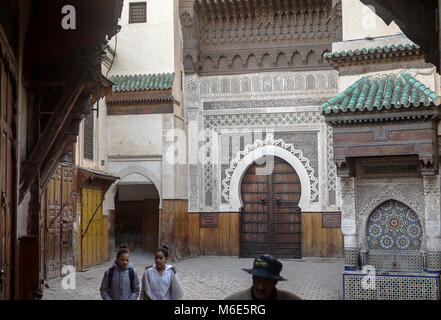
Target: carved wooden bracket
[[429, 166], [345, 168]]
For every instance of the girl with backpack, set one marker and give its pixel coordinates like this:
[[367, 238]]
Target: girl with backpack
[[159, 281], [120, 282]]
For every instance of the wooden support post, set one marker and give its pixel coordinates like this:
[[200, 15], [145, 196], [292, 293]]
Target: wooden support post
[[34, 208]]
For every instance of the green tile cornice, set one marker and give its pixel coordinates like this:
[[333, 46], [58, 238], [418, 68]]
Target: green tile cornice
[[364, 51], [382, 92], [142, 82]]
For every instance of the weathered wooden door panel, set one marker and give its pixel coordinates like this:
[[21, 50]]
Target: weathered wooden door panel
[[52, 247], [57, 212], [255, 218], [66, 218], [93, 223], [285, 211], [6, 176], [151, 224], [271, 217]]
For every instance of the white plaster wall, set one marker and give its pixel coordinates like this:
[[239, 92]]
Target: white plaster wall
[[145, 47], [134, 134], [360, 22]]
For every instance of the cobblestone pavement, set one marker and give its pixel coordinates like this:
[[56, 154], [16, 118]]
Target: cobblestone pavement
[[214, 278]]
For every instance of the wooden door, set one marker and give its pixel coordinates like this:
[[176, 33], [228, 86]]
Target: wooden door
[[57, 212], [6, 180], [150, 227], [92, 224], [66, 216], [271, 217], [51, 205]]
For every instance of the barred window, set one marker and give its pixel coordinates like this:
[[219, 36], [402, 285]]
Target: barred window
[[88, 136], [138, 12]]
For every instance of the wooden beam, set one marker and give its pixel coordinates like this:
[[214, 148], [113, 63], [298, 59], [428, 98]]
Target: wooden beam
[[52, 163], [51, 132], [68, 134]]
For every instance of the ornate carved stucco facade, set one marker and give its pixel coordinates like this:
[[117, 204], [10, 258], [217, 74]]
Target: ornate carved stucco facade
[[231, 116], [255, 78]]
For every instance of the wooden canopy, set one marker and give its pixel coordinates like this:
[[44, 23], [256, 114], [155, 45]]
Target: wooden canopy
[[418, 19], [62, 72]]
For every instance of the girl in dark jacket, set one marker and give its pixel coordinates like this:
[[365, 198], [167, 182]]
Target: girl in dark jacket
[[120, 282]]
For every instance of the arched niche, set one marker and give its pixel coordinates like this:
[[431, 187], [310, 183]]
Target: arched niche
[[393, 226]]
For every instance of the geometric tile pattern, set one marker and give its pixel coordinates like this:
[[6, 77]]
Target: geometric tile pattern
[[332, 168], [391, 287], [394, 226], [433, 261], [396, 261], [351, 256]]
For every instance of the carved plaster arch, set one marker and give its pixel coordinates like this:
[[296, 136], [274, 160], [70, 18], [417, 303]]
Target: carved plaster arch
[[267, 60], [312, 58], [225, 86], [237, 63], [189, 62], [311, 82], [385, 193], [208, 64], [238, 166], [281, 60], [186, 19], [296, 59], [252, 63], [146, 173], [300, 83], [222, 63]]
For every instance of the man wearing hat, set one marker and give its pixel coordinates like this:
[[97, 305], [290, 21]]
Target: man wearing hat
[[266, 274]]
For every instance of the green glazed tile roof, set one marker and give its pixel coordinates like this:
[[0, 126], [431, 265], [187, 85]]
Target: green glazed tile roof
[[382, 92], [140, 82], [384, 49]]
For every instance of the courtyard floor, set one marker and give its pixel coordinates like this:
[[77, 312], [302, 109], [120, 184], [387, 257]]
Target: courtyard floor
[[214, 278]]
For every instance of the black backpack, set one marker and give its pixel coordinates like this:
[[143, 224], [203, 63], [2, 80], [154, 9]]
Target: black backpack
[[131, 276]]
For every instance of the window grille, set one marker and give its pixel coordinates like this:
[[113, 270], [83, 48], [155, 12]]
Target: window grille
[[88, 136], [138, 12]]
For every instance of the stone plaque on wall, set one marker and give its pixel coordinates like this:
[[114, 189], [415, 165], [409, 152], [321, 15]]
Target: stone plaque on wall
[[331, 220], [208, 220]]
